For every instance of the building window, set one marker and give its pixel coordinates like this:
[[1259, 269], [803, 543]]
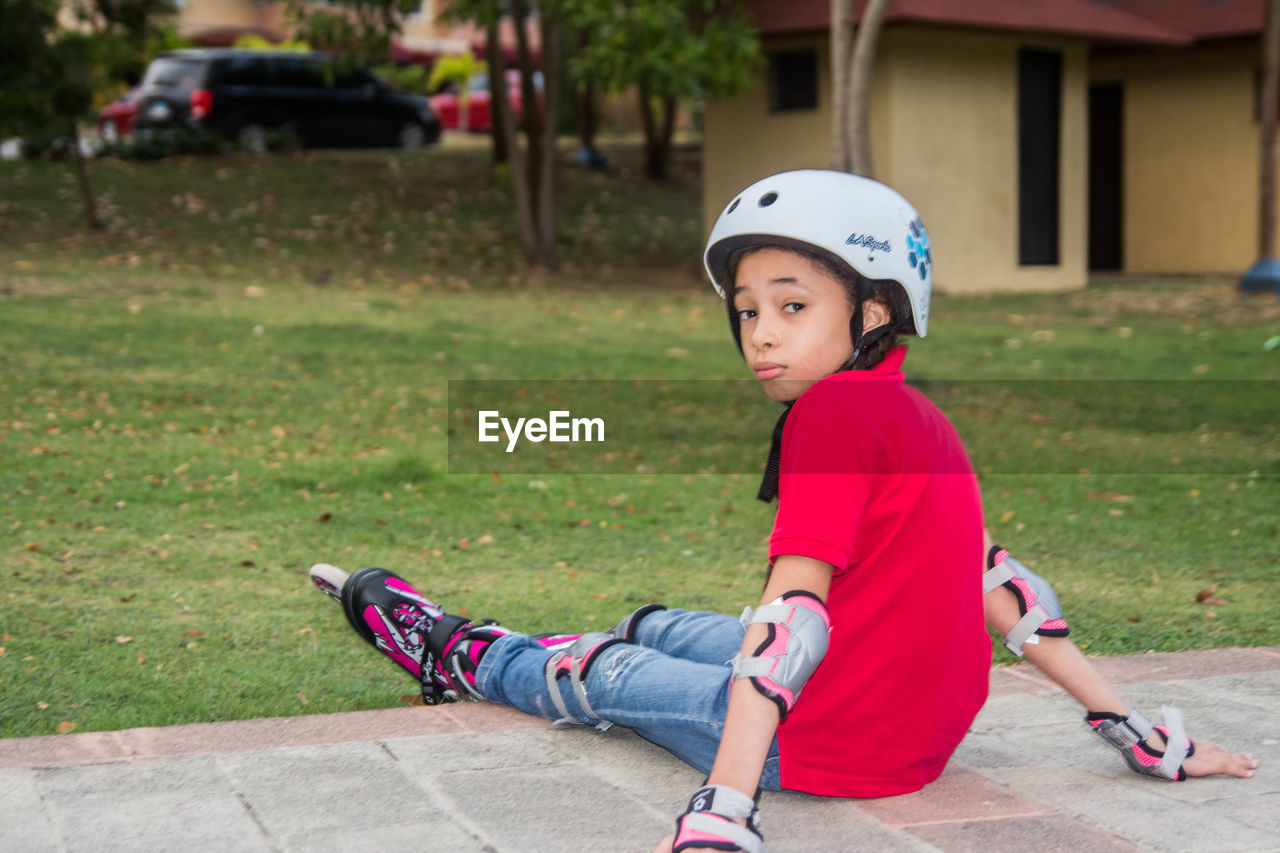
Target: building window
[[1039, 134], [793, 80]]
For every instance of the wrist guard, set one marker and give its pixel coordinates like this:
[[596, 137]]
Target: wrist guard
[[708, 822]]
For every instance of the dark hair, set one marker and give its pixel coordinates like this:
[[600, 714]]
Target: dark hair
[[884, 292]]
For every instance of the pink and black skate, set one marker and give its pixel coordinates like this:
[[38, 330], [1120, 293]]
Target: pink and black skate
[[440, 650]]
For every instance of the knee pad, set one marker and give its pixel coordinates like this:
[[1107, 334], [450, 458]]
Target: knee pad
[[573, 663], [1037, 602], [626, 629], [797, 642]]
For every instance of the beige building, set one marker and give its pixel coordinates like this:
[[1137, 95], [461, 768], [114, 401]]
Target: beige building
[[1037, 140]]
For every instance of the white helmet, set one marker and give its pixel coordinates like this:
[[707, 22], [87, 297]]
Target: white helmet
[[856, 220]]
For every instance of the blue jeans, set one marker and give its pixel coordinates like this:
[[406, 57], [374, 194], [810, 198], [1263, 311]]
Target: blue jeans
[[671, 686]]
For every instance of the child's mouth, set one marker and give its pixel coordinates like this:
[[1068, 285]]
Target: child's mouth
[[768, 371]]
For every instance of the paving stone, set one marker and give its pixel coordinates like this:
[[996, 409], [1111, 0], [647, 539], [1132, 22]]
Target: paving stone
[[489, 750], [800, 823], [25, 824], [1050, 833], [160, 805], [63, 750], [302, 791], [552, 809], [1140, 812], [441, 837], [1260, 812], [956, 795]]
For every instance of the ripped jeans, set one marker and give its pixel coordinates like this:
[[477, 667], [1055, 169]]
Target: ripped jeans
[[671, 686]]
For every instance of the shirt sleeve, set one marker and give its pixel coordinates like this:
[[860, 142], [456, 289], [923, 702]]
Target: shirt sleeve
[[828, 462]]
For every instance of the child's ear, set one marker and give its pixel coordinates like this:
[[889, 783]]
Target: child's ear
[[874, 315]]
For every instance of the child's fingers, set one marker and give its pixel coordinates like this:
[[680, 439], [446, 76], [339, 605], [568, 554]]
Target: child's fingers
[[1210, 759]]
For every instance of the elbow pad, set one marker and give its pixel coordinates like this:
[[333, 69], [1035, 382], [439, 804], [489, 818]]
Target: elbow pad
[[797, 642], [1038, 603]]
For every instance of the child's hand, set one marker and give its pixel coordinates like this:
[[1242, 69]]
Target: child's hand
[[1210, 759]]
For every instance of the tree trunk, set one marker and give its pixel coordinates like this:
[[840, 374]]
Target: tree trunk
[[552, 32], [1267, 167], [497, 91], [841, 54], [82, 174], [860, 67], [586, 106], [587, 117], [657, 136], [532, 117], [505, 123]]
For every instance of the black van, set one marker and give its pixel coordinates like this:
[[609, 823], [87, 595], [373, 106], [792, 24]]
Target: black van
[[242, 94]]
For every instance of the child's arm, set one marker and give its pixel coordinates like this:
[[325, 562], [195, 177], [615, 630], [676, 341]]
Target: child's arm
[[752, 719], [1061, 660]]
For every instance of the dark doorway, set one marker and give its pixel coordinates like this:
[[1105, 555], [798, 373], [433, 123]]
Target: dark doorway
[[1039, 134], [1106, 176]]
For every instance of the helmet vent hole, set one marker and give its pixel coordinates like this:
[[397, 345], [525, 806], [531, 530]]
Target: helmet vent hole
[[734, 206], [768, 199]]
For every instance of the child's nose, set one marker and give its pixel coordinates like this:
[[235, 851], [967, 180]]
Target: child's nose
[[764, 334]]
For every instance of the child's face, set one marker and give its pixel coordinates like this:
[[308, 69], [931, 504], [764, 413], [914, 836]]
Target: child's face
[[794, 319]]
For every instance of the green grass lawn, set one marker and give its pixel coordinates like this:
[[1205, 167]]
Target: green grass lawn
[[249, 373]]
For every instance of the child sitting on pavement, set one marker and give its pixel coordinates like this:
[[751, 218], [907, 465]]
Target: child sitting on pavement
[[874, 602]]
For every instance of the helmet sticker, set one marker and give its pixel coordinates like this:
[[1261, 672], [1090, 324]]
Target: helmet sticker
[[918, 254]]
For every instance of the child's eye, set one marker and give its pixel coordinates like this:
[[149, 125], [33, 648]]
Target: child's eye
[[793, 307], [745, 314]]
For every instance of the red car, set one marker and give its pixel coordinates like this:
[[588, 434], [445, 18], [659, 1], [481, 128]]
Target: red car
[[479, 116], [115, 120]]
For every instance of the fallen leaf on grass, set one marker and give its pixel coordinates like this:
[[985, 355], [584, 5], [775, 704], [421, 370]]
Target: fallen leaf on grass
[[1206, 596], [130, 597], [1, 651], [1106, 495], [412, 699], [31, 546], [325, 517], [302, 698], [122, 640], [43, 706], [67, 726]]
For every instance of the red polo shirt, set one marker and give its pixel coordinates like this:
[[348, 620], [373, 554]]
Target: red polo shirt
[[875, 481]]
